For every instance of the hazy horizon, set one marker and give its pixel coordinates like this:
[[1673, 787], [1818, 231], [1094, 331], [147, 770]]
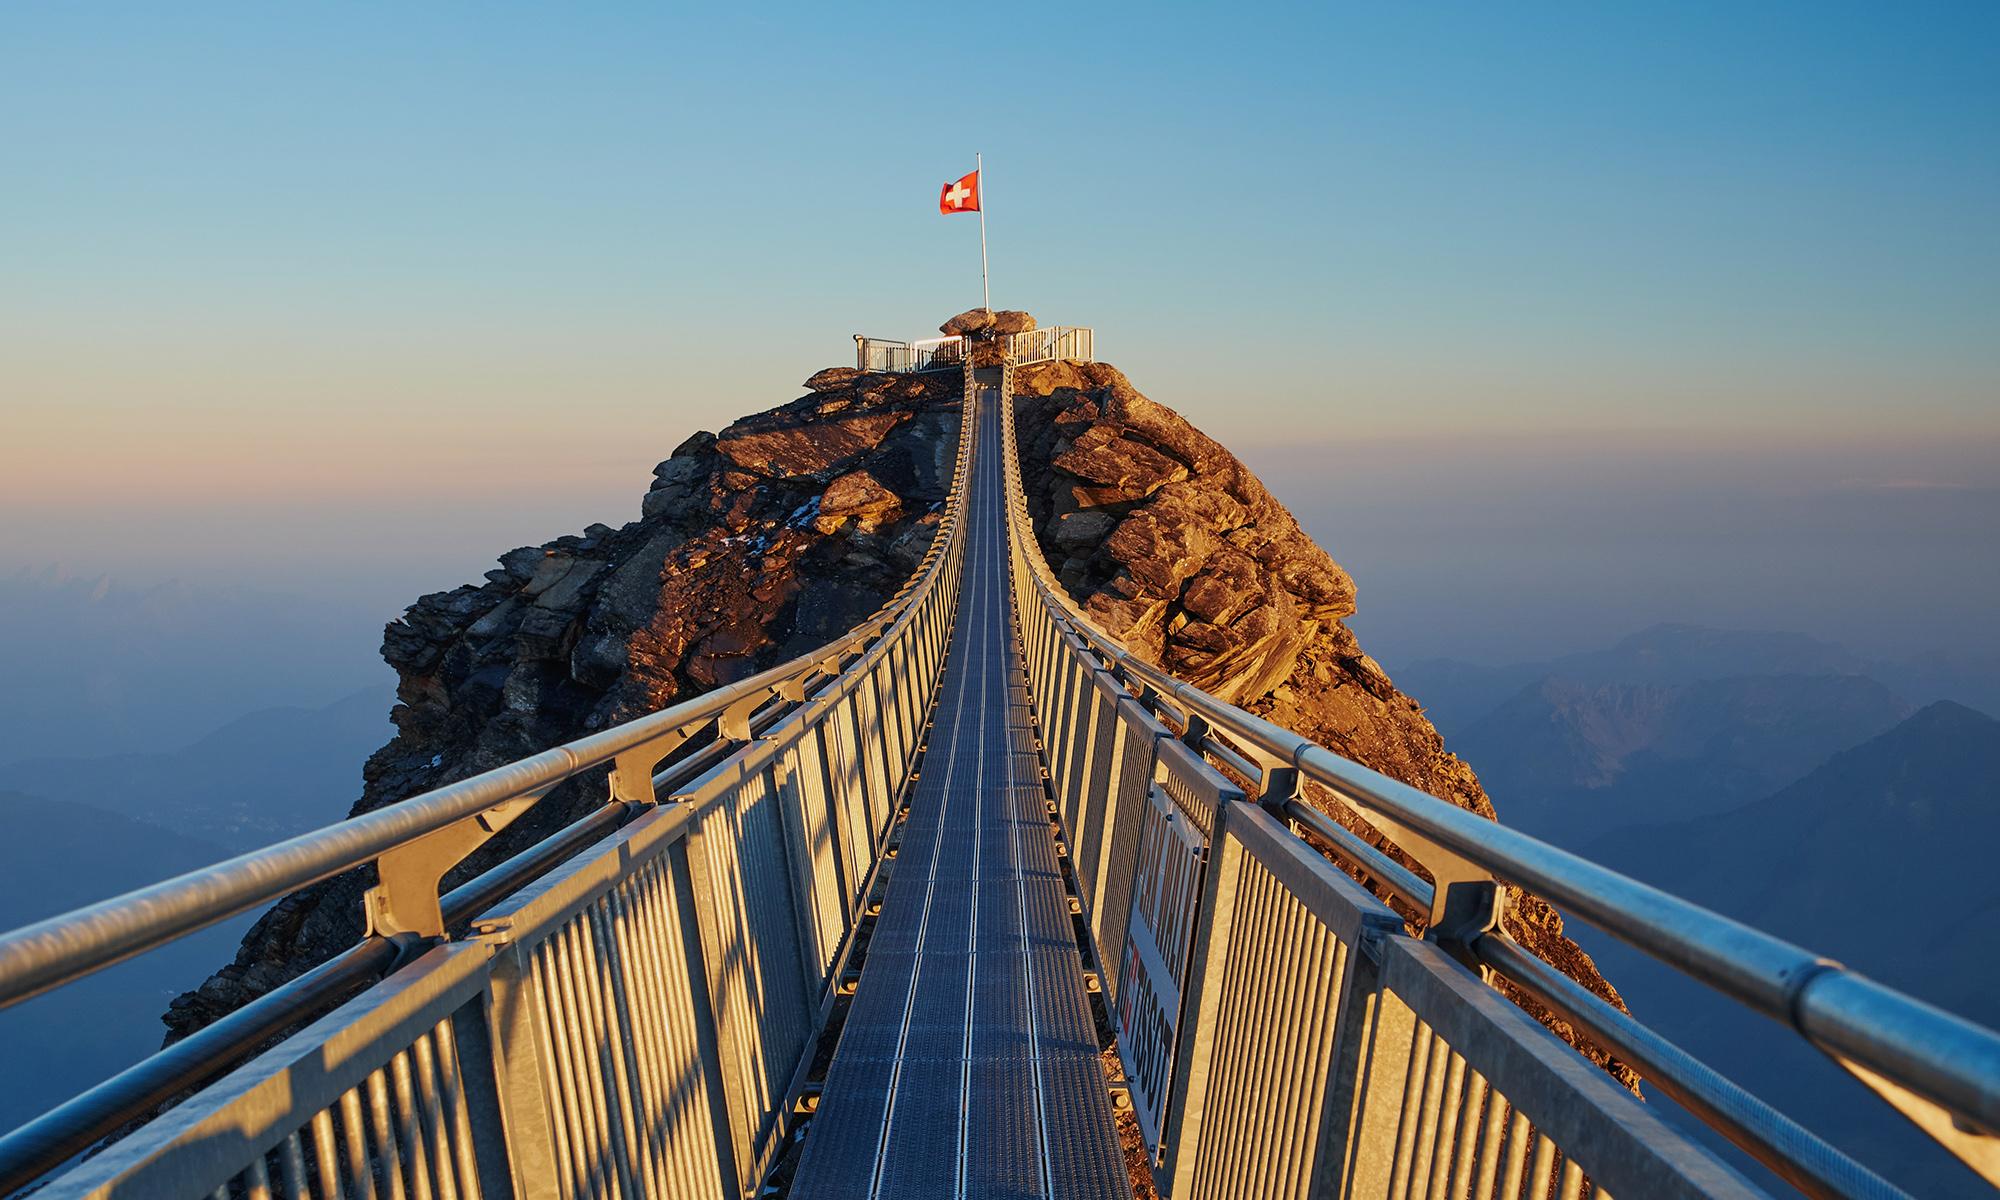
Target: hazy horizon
[[1578, 537], [342, 307], [1492, 550]]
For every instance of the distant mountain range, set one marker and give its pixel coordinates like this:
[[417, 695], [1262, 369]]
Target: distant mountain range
[[1455, 693], [1880, 858], [258, 779], [79, 830], [1847, 804], [57, 855], [94, 667], [1567, 760]]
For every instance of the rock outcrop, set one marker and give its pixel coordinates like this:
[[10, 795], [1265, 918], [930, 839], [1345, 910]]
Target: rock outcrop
[[985, 333], [1171, 544], [753, 545], [788, 527]]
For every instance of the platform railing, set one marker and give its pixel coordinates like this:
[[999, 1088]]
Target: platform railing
[[928, 354], [1057, 341], [1036, 345], [1282, 1032], [634, 1003]]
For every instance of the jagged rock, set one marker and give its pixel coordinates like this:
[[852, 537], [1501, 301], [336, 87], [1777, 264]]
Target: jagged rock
[[1009, 320], [565, 593], [551, 571], [1197, 564], [726, 572], [1172, 545], [858, 496], [1080, 530], [520, 564], [798, 448], [1124, 469], [907, 548], [971, 322], [792, 525], [832, 379], [677, 480]]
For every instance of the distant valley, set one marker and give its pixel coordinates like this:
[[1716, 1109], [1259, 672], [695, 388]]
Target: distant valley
[[80, 829], [261, 778], [1672, 722], [1456, 693], [1879, 859], [93, 666], [1845, 805]]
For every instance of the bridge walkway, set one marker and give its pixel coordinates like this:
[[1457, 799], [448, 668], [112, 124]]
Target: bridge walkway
[[968, 1064]]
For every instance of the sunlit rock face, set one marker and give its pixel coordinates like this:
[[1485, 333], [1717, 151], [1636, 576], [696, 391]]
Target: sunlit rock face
[[754, 545], [784, 530], [1171, 544]]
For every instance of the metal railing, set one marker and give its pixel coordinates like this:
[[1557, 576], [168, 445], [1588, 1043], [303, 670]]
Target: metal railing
[[1057, 341], [1037, 345], [1284, 1035], [633, 1004], [628, 1014], [929, 354]]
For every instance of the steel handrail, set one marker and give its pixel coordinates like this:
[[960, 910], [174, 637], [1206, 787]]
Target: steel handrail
[[1945, 1058], [1940, 1058], [47, 1141], [66, 947], [1794, 1152]]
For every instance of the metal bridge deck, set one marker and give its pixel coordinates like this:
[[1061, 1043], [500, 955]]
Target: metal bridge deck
[[968, 1065]]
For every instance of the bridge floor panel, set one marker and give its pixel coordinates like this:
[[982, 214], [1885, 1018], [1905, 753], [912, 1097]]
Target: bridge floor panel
[[968, 1064]]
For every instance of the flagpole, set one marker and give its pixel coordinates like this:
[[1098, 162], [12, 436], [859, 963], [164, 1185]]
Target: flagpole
[[985, 291]]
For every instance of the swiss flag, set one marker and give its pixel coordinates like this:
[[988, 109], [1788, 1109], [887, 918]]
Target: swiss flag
[[962, 196]]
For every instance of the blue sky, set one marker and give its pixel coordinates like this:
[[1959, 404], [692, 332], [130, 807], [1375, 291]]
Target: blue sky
[[294, 273]]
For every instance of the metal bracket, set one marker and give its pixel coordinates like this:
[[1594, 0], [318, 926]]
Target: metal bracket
[[1466, 901], [1195, 731], [1279, 787], [632, 771], [734, 723], [405, 898], [1971, 1145]]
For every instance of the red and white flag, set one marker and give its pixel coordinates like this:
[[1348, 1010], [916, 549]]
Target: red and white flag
[[962, 196]]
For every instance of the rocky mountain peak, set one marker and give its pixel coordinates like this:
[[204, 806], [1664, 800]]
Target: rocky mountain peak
[[753, 545], [1167, 540], [1171, 544], [782, 531]]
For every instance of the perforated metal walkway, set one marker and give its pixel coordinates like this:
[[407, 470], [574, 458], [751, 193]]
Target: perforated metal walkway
[[968, 1063]]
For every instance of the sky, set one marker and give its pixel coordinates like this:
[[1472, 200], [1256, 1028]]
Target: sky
[[348, 299]]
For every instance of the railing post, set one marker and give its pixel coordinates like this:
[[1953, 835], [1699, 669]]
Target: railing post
[[1215, 915], [1374, 1054], [516, 1051], [1117, 859]]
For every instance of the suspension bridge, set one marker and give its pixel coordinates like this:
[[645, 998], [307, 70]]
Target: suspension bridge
[[969, 902]]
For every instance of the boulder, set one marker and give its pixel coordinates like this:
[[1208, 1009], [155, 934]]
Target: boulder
[[832, 379], [859, 497], [808, 449], [1079, 531], [970, 323], [675, 484], [1123, 468], [1009, 320]]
